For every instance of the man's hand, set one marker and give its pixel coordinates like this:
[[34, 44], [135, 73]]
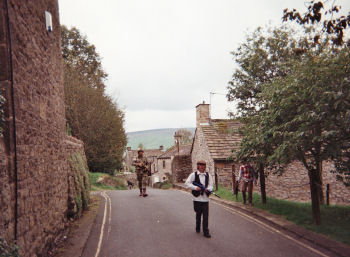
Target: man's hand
[[198, 189]]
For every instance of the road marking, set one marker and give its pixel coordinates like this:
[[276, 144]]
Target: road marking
[[107, 201], [265, 226], [271, 229]]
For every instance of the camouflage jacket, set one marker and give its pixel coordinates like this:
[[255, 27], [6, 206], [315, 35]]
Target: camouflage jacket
[[141, 165]]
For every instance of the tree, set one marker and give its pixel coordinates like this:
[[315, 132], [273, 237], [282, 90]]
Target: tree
[[260, 59], [80, 55], [308, 113], [300, 115], [186, 136], [315, 12], [92, 116], [140, 146]]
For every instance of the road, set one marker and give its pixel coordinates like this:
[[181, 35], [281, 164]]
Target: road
[[163, 225]]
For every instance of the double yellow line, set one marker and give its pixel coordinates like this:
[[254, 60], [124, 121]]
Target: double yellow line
[[107, 212]]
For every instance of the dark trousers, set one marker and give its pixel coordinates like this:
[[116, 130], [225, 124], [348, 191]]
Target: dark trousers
[[247, 185], [201, 208]]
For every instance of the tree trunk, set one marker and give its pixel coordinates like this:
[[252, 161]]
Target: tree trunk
[[320, 183], [233, 178], [262, 183], [315, 200]]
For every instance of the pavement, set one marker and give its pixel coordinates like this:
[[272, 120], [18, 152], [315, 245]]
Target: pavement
[[77, 242], [276, 221]]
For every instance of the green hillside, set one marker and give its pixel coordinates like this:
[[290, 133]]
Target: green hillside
[[152, 139]]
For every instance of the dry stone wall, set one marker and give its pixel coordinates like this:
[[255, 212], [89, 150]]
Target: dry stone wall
[[293, 185]]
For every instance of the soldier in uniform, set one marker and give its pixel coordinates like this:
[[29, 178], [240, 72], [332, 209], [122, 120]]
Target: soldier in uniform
[[141, 168]]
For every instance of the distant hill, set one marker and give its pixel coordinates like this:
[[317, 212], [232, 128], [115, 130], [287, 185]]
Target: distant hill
[[152, 139]]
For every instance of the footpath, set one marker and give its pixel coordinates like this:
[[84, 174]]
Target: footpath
[[335, 247]]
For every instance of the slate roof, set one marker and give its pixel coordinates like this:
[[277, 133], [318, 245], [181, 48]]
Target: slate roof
[[221, 136], [172, 151]]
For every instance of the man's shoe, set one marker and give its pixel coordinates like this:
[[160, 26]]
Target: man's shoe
[[144, 195], [198, 230], [207, 235]]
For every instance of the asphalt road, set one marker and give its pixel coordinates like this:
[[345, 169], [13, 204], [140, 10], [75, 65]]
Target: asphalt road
[[163, 225]]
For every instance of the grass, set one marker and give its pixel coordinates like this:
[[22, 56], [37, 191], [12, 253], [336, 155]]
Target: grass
[[166, 185], [335, 219], [109, 183]]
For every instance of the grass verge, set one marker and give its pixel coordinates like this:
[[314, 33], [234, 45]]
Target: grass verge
[[335, 218], [107, 183]]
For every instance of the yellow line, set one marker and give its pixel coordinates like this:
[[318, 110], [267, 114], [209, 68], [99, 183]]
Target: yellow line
[[110, 214], [271, 229], [102, 226]]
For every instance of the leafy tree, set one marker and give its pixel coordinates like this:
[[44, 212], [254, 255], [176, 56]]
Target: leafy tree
[[92, 116], [260, 59], [316, 11], [186, 136], [80, 55], [308, 115], [301, 112]]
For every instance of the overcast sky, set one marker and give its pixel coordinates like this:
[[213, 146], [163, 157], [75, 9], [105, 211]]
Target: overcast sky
[[164, 57]]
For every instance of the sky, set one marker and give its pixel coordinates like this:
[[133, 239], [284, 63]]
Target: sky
[[164, 57]]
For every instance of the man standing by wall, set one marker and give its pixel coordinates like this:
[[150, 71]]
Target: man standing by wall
[[141, 168], [201, 199], [248, 175]]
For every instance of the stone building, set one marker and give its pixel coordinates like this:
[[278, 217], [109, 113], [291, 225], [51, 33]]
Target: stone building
[[35, 172], [174, 164], [214, 141]]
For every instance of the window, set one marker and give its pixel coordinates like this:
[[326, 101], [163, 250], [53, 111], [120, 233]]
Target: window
[[163, 164]]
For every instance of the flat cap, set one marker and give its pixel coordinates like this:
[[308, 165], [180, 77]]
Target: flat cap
[[201, 162]]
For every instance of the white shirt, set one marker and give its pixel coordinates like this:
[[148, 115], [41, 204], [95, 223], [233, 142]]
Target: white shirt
[[190, 179]]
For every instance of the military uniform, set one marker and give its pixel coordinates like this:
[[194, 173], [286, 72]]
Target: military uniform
[[141, 169]]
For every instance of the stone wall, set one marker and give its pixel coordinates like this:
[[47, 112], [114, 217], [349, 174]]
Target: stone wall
[[182, 168], [293, 185], [78, 178], [34, 192], [7, 157], [200, 151], [130, 176], [224, 173]]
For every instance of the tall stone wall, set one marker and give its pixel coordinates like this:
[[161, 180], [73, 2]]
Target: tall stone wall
[[33, 207], [7, 158]]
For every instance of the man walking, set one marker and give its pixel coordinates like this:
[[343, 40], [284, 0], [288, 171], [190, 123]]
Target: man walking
[[201, 198], [248, 175], [141, 168]]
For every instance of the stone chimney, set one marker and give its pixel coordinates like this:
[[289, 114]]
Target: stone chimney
[[202, 114], [161, 148], [128, 148]]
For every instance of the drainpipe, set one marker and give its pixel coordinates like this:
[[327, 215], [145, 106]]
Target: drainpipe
[[13, 120]]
